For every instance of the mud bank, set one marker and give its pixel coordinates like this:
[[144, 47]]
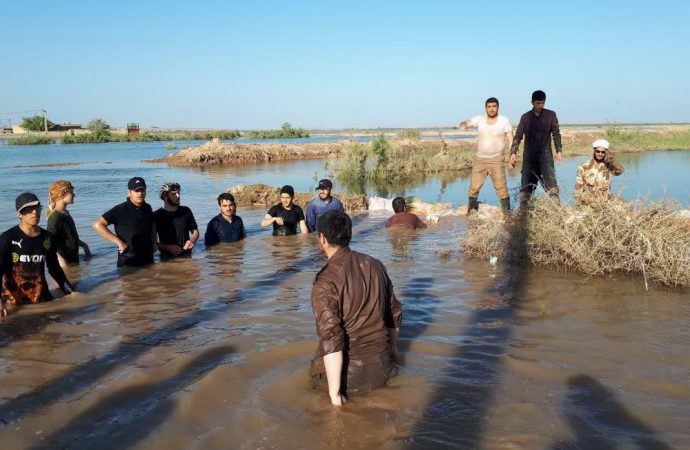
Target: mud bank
[[265, 195], [576, 141]]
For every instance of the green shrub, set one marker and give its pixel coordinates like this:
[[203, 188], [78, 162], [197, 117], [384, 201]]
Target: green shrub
[[409, 133], [31, 139], [285, 132]]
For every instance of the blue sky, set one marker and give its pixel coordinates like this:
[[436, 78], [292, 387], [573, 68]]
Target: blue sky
[[227, 64]]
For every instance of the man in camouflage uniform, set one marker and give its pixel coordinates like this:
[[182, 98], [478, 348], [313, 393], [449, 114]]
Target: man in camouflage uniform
[[593, 179]]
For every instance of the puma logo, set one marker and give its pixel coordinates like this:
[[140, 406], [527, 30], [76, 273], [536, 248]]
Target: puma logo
[[18, 243]]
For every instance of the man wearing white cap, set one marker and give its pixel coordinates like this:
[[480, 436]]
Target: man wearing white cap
[[593, 179]]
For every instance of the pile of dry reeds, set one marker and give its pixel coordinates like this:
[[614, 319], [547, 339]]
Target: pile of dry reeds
[[639, 238]]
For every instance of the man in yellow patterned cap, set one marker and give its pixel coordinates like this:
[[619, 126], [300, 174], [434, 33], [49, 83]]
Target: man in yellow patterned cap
[[61, 224]]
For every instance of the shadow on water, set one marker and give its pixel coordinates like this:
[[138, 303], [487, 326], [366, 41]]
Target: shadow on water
[[18, 327], [85, 375], [599, 420], [419, 310], [456, 412], [130, 415]]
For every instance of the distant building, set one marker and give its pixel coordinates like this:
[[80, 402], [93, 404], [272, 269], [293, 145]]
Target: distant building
[[132, 128], [65, 127]]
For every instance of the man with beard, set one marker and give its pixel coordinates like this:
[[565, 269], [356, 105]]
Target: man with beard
[[226, 226], [593, 178], [175, 225], [322, 204], [25, 250], [494, 131], [357, 316], [538, 126], [135, 235]]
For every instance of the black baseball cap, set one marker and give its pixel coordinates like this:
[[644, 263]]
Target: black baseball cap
[[136, 183], [325, 184], [25, 200]]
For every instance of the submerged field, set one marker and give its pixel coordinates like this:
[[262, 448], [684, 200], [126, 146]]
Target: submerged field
[[213, 351]]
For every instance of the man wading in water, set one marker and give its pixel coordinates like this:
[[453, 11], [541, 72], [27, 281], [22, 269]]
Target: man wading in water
[[538, 126], [357, 316], [135, 234], [25, 250], [175, 225], [494, 131]]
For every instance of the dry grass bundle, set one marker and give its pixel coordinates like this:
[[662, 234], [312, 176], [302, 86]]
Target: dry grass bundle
[[640, 238]]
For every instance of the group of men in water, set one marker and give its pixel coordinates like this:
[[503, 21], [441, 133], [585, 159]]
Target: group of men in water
[[357, 314]]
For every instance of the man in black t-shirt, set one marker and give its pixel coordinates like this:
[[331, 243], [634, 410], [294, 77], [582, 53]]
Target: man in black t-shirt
[[134, 230], [174, 223], [285, 216], [25, 250]]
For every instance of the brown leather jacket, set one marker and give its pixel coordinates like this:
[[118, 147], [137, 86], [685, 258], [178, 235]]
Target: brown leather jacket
[[354, 306]]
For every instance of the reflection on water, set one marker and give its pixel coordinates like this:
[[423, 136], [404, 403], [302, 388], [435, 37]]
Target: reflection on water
[[213, 351]]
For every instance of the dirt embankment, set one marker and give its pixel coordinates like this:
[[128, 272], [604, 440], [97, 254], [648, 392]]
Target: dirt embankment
[[576, 141], [265, 195], [216, 153]]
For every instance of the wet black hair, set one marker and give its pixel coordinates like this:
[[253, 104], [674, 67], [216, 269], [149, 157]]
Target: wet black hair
[[226, 196], [538, 96], [287, 189], [398, 204], [491, 100], [336, 227]]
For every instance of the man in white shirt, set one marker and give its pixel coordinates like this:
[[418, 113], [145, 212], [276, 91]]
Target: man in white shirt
[[495, 132]]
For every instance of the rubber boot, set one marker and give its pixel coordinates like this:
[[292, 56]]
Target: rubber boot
[[505, 205], [473, 204]]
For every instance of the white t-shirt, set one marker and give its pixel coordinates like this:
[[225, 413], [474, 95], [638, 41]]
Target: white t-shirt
[[492, 138]]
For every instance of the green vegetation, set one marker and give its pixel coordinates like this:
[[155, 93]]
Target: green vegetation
[[636, 140], [97, 125], [30, 139], [651, 240], [285, 132], [409, 133], [100, 137], [35, 123], [396, 162]]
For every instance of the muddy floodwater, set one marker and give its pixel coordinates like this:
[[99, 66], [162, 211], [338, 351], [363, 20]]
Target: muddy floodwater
[[212, 351]]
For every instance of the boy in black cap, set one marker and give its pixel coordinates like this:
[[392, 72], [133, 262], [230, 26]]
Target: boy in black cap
[[25, 250], [285, 216], [134, 231], [322, 204]]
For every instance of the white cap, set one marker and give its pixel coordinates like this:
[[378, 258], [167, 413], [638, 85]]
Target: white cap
[[601, 143]]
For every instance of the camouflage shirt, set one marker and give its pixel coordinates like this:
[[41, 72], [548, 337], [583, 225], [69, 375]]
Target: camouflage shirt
[[593, 181]]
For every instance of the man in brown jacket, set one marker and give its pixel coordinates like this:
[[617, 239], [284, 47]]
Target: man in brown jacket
[[357, 316]]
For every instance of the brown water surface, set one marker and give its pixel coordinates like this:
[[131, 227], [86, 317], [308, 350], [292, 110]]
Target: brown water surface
[[213, 351]]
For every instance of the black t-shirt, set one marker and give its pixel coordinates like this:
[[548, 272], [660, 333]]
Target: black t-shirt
[[66, 237], [291, 218], [22, 262], [134, 226], [173, 228]]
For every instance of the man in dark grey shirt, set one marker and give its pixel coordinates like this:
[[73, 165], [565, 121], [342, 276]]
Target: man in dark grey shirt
[[538, 126]]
